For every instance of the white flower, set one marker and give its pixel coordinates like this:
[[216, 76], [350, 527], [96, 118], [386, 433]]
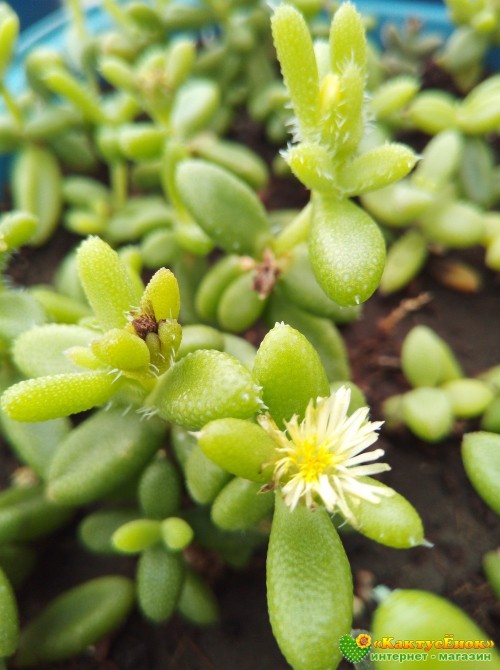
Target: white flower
[[322, 459]]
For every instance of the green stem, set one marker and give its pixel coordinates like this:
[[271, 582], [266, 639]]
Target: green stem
[[75, 8], [117, 13], [119, 183], [78, 17], [294, 233], [12, 106]]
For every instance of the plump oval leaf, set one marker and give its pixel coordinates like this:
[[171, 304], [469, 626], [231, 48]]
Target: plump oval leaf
[[290, 372], [426, 359], [100, 454], [9, 632], [240, 447], [45, 398], [37, 188], [197, 603], [320, 332], [224, 206], [106, 282], [137, 535], [420, 615], [392, 521], [309, 587], [428, 413], [241, 504], [75, 620], [469, 397], [96, 529], [204, 478], [41, 351], [347, 251], [160, 575], [159, 490], [206, 385], [240, 305], [481, 457]]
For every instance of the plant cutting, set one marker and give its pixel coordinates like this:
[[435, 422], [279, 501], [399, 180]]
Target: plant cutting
[[179, 390]]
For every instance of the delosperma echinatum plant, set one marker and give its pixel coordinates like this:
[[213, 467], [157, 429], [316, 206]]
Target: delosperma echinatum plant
[[186, 434]]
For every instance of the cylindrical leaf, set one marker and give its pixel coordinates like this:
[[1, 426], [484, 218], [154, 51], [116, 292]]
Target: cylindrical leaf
[[392, 521], [160, 575], [225, 207], [309, 587], [481, 457], [107, 283], [36, 188], [75, 620], [9, 631], [204, 477], [46, 398], [159, 490], [101, 453], [290, 372], [420, 615], [206, 385], [241, 504], [295, 51], [240, 447], [240, 305]]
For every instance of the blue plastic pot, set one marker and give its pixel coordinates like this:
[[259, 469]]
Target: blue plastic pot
[[31, 11]]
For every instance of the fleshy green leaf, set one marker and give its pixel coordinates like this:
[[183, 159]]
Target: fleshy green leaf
[[206, 385], [37, 188], [160, 575], [392, 521], [100, 454], [41, 351], [241, 504], [347, 251], [46, 398], [309, 587], [377, 168], [420, 615], [298, 65], [428, 413], [290, 372], [75, 620], [106, 282], [224, 206], [426, 358], [240, 447], [9, 635], [481, 457]]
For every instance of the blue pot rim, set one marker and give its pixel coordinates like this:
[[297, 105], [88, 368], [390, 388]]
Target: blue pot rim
[[50, 31]]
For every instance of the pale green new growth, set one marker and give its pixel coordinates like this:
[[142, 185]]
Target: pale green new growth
[[347, 39], [298, 64], [106, 282], [347, 258]]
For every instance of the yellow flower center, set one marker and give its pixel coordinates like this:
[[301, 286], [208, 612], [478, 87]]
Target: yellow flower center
[[312, 459]]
